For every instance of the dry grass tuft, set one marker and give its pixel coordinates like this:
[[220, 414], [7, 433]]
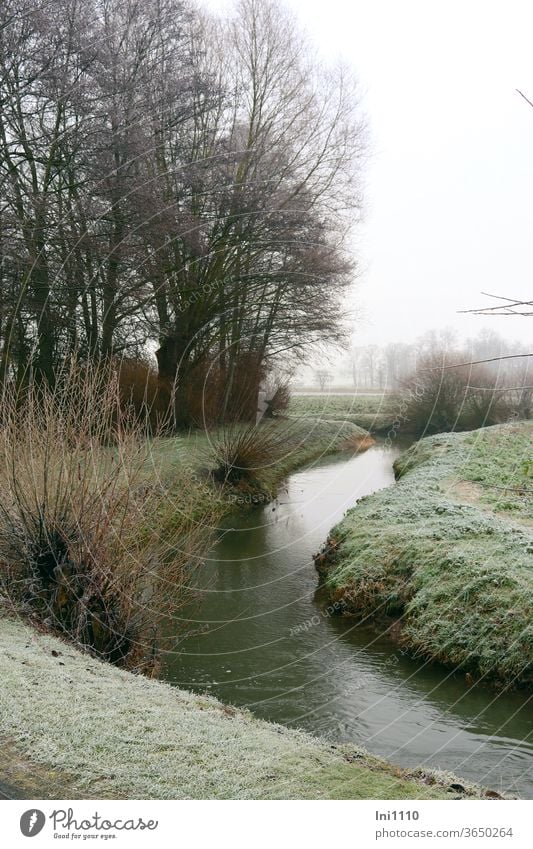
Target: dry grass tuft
[[241, 453]]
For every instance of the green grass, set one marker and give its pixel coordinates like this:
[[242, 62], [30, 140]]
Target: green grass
[[94, 731], [450, 549], [372, 412], [501, 465], [302, 440]]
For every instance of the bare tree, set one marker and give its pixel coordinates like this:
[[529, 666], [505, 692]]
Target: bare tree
[[273, 208], [323, 378], [173, 179]]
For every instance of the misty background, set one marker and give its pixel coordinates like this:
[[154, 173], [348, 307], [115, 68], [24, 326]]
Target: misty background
[[449, 178]]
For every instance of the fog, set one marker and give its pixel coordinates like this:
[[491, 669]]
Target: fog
[[449, 181]]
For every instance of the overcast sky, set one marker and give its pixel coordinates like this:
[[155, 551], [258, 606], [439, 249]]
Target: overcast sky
[[449, 198]]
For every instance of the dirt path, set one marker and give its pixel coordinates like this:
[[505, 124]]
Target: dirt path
[[22, 779]]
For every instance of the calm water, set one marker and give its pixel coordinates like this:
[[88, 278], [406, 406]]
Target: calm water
[[264, 642]]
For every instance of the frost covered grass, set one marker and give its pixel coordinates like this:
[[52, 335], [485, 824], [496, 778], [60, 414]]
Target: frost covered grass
[[100, 732], [449, 549], [372, 412], [82, 728]]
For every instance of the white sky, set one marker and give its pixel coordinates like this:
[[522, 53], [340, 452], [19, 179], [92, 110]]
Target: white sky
[[449, 198]]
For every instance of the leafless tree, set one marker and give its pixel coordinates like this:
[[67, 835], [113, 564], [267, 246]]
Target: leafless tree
[[171, 179], [274, 205], [323, 378]]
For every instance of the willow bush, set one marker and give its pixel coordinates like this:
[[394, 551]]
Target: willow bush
[[93, 543]]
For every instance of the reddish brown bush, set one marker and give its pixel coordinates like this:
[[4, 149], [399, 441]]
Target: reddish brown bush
[[145, 395], [440, 398], [215, 395]]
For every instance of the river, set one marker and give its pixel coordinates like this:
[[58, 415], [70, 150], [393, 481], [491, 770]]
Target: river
[[262, 640]]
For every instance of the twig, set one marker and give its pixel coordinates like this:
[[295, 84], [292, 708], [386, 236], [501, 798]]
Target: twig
[[514, 303], [477, 362], [500, 389], [521, 93]]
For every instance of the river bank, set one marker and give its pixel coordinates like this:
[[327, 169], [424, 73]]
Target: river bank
[[80, 725], [75, 727], [297, 441], [447, 554]]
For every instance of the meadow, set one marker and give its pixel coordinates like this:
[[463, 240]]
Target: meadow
[[375, 413]]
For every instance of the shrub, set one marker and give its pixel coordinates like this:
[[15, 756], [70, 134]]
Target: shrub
[[242, 452], [144, 394], [440, 398], [214, 393], [90, 545]]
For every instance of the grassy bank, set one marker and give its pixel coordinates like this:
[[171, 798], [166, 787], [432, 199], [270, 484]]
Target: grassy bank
[[101, 529], [73, 726], [449, 551], [375, 413], [76, 727], [297, 441]]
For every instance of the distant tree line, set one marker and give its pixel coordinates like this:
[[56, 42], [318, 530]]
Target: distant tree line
[[173, 184], [389, 367]]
